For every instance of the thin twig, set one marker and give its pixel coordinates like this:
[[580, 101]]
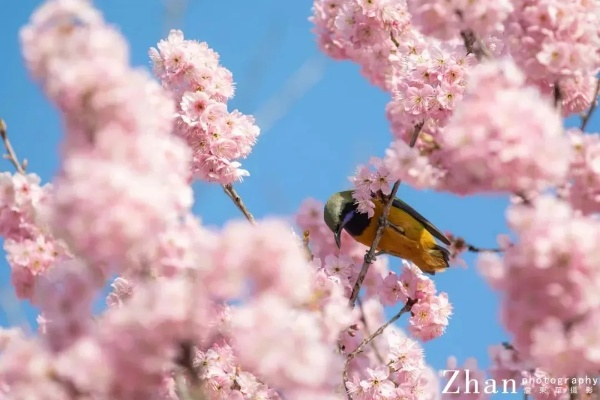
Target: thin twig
[[363, 318], [586, 117], [237, 200], [369, 256], [474, 249], [396, 43], [461, 244], [185, 359], [508, 346], [11, 156], [557, 96], [407, 307]]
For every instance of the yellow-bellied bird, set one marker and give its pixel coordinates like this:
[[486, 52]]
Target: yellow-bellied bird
[[408, 234]]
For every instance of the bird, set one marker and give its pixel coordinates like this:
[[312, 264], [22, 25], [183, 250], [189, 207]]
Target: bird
[[408, 235]]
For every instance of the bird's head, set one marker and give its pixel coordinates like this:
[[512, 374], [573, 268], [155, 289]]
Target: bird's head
[[338, 211]]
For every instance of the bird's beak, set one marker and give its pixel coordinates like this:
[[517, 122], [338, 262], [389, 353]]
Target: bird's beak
[[338, 237]]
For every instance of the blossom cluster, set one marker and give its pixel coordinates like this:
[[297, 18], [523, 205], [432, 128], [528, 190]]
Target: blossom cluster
[[556, 42], [117, 136], [190, 70], [504, 136], [29, 245], [424, 75], [582, 188], [549, 280], [449, 19]]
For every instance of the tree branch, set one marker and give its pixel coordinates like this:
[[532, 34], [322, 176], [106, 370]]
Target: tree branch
[[474, 45], [460, 244], [407, 307], [394, 40], [11, 155], [370, 255], [586, 117], [192, 390], [237, 200], [557, 96]]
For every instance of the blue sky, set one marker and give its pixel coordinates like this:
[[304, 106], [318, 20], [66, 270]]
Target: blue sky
[[319, 119]]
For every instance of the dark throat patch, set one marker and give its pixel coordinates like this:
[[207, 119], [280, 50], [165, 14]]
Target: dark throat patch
[[358, 222]]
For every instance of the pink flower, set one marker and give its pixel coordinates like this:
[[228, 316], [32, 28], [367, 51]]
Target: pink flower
[[377, 382], [193, 106], [391, 290], [122, 290], [406, 164], [340, 267], [405, 354]]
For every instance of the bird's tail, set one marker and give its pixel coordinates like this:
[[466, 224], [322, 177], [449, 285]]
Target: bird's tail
[[445, 254], [438, 260]]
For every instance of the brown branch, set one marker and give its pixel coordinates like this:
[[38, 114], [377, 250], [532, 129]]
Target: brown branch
[[370, 255], [461, 244], [237, 200], [407, 307], [363, 318], [557, 96], [396, 43], [508, 346], [586, 117], [474, 249], [185, 360], [474, 45], [11, 155]]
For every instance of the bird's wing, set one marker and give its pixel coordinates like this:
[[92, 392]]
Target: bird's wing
[[428, 225]]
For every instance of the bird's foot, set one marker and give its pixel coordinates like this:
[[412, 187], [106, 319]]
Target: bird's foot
[[397, 228], [385, 223], [371, 258]]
